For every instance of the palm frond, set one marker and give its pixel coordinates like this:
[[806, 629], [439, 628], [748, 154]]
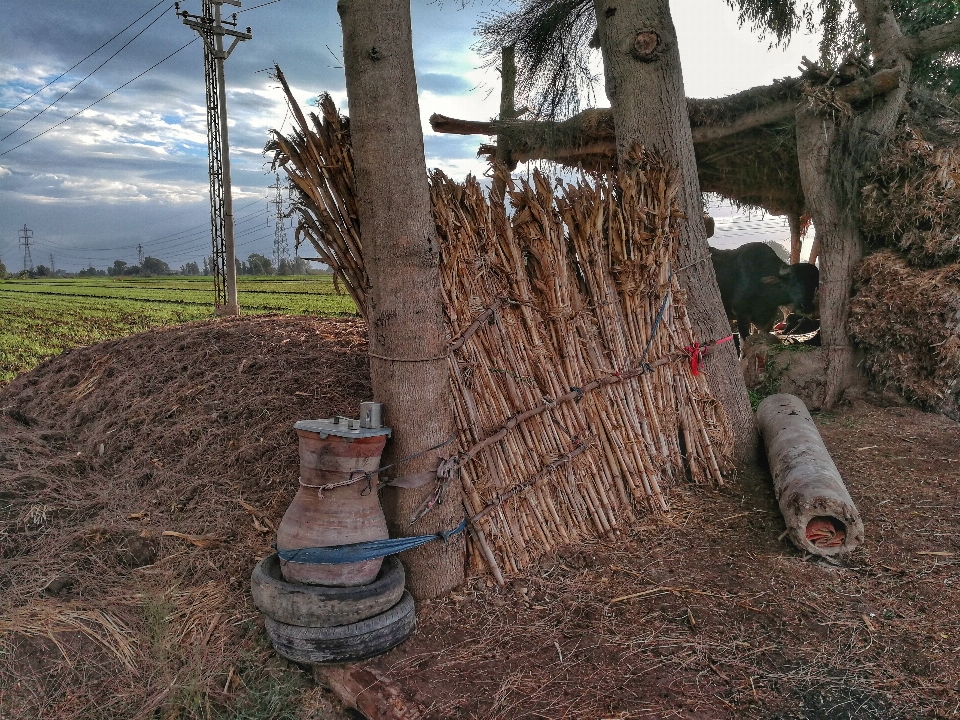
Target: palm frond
[[552, 43]]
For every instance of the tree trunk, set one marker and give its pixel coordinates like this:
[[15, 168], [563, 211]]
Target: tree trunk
[[408, 336], [796, 242], [508, 89], [832, 161], [644, 84], [838, 244]]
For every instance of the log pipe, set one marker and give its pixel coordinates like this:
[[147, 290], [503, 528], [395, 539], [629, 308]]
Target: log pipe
[[820, 516]]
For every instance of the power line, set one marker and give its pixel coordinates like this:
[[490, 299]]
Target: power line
[[79, 253], [101, 99], [175, 235], [256, 6], [122, 48], [84, 59]]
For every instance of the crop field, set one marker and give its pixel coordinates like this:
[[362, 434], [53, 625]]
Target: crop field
[[41, 318]]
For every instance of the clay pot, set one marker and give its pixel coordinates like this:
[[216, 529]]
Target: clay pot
[[343, 515]]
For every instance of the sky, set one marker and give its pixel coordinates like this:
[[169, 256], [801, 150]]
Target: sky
[[132, 169]]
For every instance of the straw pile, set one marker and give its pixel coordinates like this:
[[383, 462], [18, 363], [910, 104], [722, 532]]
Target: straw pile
[[911, 199], [908, 322], [553, 304]]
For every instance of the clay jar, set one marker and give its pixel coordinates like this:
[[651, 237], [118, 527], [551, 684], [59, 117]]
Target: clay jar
[[329, 451]]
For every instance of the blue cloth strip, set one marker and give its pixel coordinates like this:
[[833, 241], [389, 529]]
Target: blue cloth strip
[[358, 552]]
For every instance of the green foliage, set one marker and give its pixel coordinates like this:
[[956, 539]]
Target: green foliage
[[119, 268], [44, 317], [773, 375], [940, 72], [258, 264], [155, 266], [843, 35]]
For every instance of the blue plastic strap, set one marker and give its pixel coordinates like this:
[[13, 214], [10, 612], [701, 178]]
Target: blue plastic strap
[[358, 552]]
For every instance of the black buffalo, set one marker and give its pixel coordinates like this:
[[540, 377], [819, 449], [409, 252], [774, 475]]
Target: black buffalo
[[755, 284]]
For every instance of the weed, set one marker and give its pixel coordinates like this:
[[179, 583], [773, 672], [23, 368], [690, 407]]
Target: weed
[[773, 375]]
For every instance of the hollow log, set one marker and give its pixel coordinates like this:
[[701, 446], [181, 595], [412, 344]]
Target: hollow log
[[819, 513]]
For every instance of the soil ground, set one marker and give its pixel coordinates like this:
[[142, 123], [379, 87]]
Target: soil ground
[[141, 479]]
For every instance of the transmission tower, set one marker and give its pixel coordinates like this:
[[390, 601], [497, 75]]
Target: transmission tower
[[140, 255], [281, 250], [210, 26], [26, 235], [53, 270]]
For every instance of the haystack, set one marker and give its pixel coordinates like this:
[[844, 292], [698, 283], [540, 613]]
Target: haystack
[[907, 321], [911, 199], [575, 401]]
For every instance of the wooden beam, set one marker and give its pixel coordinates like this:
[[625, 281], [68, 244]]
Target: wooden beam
[[865, 88], [755, 118], [453, 126], [877, 84], [369, 691]]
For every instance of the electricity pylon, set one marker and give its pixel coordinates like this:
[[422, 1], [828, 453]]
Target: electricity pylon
[[281, 250], [26, 235], [211, 28]]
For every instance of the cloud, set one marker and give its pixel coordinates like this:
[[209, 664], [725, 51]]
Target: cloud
[[443, 83]]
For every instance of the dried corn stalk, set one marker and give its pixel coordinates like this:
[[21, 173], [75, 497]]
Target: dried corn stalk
[[319, 162]]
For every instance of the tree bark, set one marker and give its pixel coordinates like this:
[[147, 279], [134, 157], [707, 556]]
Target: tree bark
[[832, 160], [644, 84], [837, 242], [508, 89], [408, 336]]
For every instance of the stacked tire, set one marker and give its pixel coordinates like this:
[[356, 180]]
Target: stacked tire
[[325, 624]]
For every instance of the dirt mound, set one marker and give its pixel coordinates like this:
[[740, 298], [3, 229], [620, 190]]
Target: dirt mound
[[141, 481]]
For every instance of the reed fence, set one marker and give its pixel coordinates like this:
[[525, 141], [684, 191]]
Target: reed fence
[[571, 389]]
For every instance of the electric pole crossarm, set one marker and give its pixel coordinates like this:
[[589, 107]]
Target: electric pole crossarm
[[206, 30]]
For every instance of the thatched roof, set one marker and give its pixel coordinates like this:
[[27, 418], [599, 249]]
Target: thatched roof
[[745, 143]]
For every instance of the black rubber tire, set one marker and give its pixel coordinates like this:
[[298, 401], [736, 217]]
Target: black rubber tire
[[345, 643], [321, 605]]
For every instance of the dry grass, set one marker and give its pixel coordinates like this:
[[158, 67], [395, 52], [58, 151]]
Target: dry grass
[[708, 615], [911, 199]]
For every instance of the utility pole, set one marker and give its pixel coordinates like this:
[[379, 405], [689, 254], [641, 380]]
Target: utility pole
[[281, 250], [26, 235], [211, 28]]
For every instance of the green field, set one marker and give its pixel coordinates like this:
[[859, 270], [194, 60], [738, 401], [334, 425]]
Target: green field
[[43, 317]]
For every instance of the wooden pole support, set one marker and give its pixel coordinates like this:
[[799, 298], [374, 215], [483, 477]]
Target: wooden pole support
[[820, 516], [369, 691]]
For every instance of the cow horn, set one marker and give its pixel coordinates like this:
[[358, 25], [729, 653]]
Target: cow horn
[[786, 270]]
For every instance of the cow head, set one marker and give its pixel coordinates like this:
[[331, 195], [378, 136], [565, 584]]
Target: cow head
[[799, 284]]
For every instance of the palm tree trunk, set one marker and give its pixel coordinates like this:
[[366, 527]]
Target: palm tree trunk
[[408, 335], [644, 83]]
